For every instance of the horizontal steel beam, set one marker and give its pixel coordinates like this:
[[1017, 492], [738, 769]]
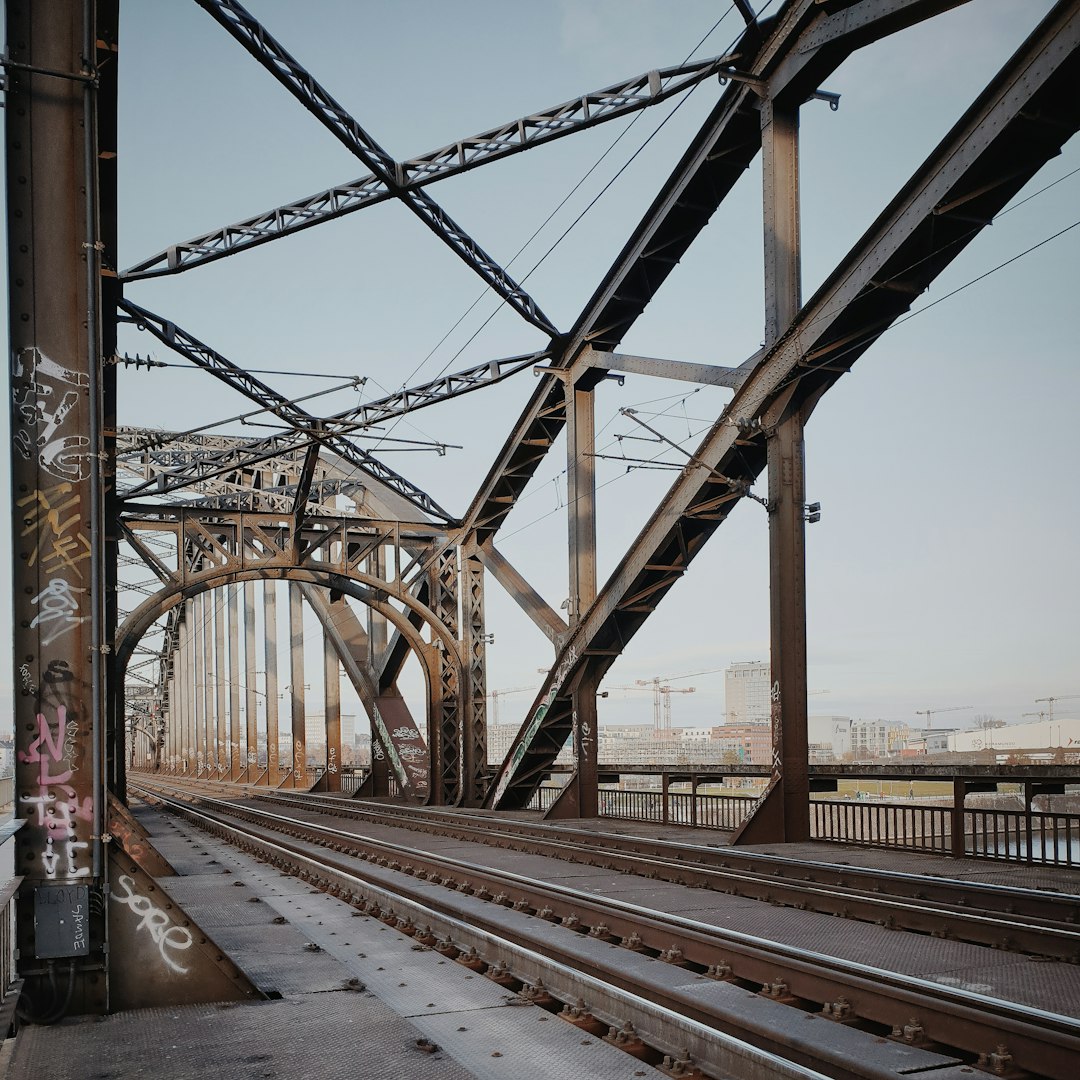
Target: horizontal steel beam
[[335, 118], [718, 156], [538, 128], [265, 396]]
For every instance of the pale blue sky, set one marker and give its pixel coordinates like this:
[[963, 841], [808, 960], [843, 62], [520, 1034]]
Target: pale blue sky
[[943, 570]]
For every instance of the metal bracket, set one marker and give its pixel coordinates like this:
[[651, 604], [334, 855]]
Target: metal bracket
[[71, 76]]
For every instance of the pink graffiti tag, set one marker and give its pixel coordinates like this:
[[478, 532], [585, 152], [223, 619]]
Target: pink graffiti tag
[[56, 803]]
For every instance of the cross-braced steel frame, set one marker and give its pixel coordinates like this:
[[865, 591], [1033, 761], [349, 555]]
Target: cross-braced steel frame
[[95, 504]]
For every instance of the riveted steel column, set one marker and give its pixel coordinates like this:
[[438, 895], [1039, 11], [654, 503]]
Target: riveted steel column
[[186, 679], [581, 510], [233, 747], [586, 773], [270, 662], [581, 499], [251, 698], [377, 630], [787, 556], [298, 773], [209, 682], [221, 679], [198, 686], [475, 738], [332, 713], [444, 732]]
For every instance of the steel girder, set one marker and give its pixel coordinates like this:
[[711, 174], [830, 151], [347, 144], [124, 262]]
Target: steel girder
[[797, 49], [1016, 125], [305, 423], [186, 468], [302, 85], [536, 129]]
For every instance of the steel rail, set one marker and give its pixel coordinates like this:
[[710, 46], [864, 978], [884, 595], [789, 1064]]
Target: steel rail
[[1044, 1043], [535, 971], [899, 901]]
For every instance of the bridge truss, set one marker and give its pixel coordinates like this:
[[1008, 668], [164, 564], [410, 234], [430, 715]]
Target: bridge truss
[[121, 533]]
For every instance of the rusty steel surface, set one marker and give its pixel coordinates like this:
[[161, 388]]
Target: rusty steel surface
[[314, 510], [57, 478], [1037, 922], [1038, 1037]]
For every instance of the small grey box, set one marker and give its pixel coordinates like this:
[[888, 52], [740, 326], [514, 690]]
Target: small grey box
[[61, 921]]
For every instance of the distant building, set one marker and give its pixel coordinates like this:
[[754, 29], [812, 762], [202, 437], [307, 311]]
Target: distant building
[[746, 693], [829, 738], [749, 744], [877, 738], [1044, 735], [315, 734]]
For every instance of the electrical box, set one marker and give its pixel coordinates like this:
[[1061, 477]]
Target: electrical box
[[61, 921]]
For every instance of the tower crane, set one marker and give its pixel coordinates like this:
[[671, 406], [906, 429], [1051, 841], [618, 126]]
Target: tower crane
[[931, 713], [661, 699], [1050, 702], [496, 694]]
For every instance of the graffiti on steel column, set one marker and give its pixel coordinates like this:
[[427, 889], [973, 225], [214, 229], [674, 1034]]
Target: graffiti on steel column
[[58, 608], [534, 723], [45, 395], [777, 729], [166, 935], [331, 760], [299, 762], [54, 805], [51, 520]]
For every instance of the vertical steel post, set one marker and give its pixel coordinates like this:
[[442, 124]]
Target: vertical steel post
[[474, 739], [332, 713], [784, 814], [185, 684], [581, 520], [581, 499], [221, 677], [270, 662], [377, 630], [233, 747], [210, 680], [298, 772], [198, 686], [251, 698]]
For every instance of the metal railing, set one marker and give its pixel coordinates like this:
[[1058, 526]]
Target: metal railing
[[10, 983], [914, 827], [1050, 838]]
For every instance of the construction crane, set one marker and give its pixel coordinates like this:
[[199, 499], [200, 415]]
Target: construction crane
[[1041, 714], [496, 694], [661, 698], [931, 713], [1050, 702]]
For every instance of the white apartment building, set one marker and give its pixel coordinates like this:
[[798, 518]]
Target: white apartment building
[[877, 738], [746, 693]]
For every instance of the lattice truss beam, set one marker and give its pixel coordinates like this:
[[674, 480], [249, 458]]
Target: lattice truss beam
[[1019, 122], [1013, 128]]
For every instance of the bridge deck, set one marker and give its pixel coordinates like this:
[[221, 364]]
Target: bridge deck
[[325, 1027]]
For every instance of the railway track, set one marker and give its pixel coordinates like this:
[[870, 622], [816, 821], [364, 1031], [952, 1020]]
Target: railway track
[[720, 980], [1027, 921]]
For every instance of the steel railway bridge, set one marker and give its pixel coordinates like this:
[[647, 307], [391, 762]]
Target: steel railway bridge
[[123, 537]]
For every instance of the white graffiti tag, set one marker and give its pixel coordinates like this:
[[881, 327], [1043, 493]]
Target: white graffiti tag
[[405, 733], [45, 395], [57, 605], [167, 936]]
